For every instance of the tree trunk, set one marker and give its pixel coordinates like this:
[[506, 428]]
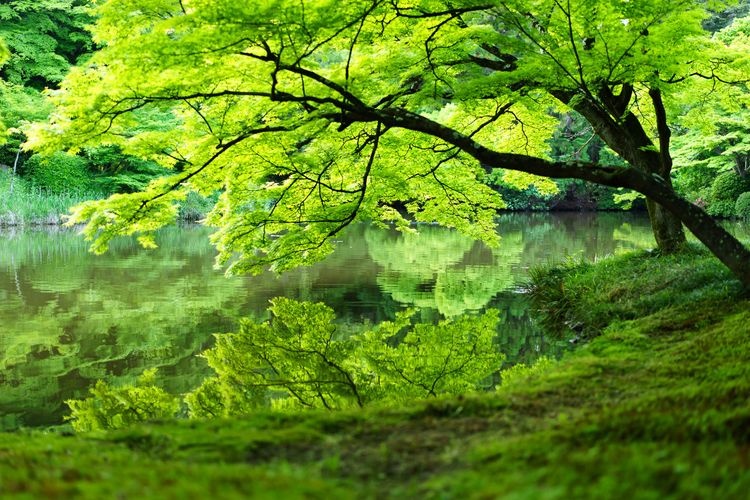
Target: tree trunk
[[741, 163], [722, 244], [631, 143], [623, 132], [667, 228], [15, 168]]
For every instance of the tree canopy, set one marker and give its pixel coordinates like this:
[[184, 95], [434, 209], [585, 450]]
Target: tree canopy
[[39, 42], [311, 115], [45, 38], [716, 133]]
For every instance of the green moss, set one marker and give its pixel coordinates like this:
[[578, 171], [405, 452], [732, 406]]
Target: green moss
[[655, 405], [582, 299]]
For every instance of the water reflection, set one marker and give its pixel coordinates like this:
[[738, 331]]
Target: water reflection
[[442, 270], [69, 318]]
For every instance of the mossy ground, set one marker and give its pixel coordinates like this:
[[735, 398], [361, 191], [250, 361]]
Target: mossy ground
[[656, 405]]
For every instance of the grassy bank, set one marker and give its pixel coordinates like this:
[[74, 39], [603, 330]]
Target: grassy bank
[[655, 403], [23, 204]]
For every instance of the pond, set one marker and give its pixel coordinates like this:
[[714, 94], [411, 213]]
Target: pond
[[70, 318]]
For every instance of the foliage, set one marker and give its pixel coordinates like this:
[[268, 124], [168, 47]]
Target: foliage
[[694, 181], [58, 173], [527, 199], [27, 204], [626, 200], [41, 40], [725, 190], [306, 127], [119, 172], [742, 207], [45, 38], [4, 52], [721, 208], [728, 186], [299, 359], [18, 105], [195, 206], [713, 135], [119, 407]]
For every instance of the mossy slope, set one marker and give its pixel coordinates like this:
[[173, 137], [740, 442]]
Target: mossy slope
[[657, 405]]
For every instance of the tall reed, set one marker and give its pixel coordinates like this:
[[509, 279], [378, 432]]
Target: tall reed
[[24, 204]]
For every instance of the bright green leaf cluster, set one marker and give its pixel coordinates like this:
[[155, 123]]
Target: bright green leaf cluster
[[300, 359], [117, 407], [4, 52]]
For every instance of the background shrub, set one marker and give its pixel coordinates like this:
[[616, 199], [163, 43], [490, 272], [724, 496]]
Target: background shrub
[[728, 186], [725, 190], [195, 207], [694, 181], [742, 207], [59, 173], [722, 208]]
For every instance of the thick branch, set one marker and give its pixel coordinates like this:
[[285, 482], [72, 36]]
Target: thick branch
[[665, 133], [725, 246]]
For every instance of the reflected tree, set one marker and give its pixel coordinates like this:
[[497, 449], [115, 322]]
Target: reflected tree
[[443, 270], [300, 359], [68, 319]]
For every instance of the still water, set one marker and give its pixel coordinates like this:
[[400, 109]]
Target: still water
[[68, 318]]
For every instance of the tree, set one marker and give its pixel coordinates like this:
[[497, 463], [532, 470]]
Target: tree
[[119, 407], [310, 115], [45, 38], [41, 40]]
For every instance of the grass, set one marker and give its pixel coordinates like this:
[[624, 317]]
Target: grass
[[28, 205], [655, 405], [582, 298]]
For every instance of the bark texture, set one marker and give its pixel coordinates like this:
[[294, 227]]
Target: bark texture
[[623, 132]]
